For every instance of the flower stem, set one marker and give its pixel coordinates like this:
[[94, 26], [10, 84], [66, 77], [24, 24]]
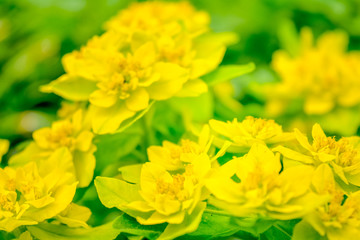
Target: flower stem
[[217, 212]]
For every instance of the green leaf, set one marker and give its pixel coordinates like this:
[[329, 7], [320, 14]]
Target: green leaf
[[71, 88], [127, 123], [254, 225], [304, 231], [288, 37], [114, 192], [112, 147], [190, 224], [62, 232], [127, 224], [213, 226], [276, 232], [198, 109], [131, 173], [228, 72]]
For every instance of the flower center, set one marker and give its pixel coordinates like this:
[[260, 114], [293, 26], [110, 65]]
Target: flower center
[[126, 77], [61, 135], [8, 201], [342, 149], [30, 191], [186, 146], [258, 127], [176, 189]]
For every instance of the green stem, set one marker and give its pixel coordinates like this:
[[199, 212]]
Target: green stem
[[146, 135], [217, 212]]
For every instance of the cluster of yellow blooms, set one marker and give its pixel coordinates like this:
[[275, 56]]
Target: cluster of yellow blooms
[[281, 176], [155, 51], [37, 191], [324, 75], [151, 51]]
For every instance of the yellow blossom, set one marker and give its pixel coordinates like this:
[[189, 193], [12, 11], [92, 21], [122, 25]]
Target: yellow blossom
[[68, 109], [122, 70], [261, 190], [324, 74], [160, 196], [70, 134], [160, 18], [36, 191], [339, 218], [342, 155], [249, 131], [116, 80], [175, 156], [170, 196]]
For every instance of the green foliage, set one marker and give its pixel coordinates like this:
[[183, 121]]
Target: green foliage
[[36, 34], [228, 72], [61, 232]]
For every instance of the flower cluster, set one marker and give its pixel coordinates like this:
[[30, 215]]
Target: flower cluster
[[324, 75], [240, 178], [170, 188], [70, 134], [137, 61], [34, 192], [149, 52], [40, 181], [273, 180]]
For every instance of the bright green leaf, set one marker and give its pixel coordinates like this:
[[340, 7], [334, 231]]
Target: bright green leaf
[[71, 88], [62, 232], [114, 192], [127, 224], [228, 72]]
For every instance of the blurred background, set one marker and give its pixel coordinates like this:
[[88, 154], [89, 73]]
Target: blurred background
[[35, 34]]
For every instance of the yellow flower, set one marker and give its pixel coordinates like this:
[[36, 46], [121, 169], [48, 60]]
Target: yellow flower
[[35, 192], [339, 218], [175, 156], [167, 18], [4, 147], [120, 71], [74, 216], [70, 134], [160, 196], [170, 196], [342, 155], [324, 75], [68, 109], [251, 130], [117, 79], [259, 188]]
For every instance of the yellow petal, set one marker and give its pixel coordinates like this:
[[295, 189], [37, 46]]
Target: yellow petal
[[171, 81], [84, 163], [317, 132], [302, 139], [102, 99], [193, 88], [84, 140], [138, 100], [108, 120], [317, 105]]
